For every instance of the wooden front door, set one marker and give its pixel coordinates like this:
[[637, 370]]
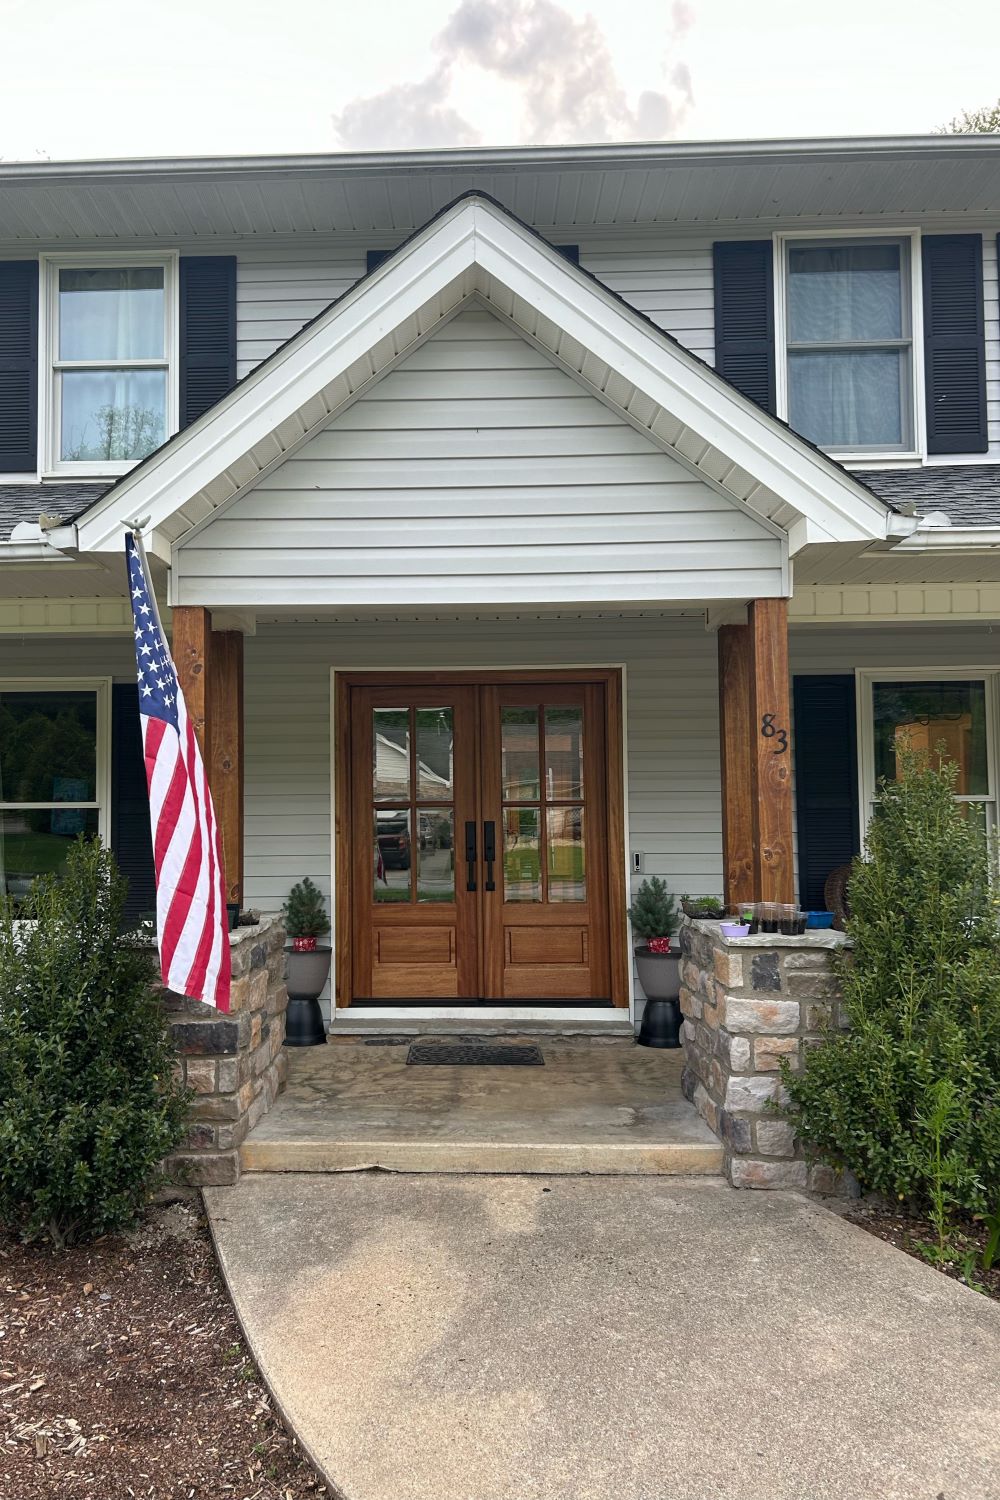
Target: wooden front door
[[481, 851]]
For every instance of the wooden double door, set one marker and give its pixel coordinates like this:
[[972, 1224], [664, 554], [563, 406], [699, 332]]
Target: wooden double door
[[484, 847]]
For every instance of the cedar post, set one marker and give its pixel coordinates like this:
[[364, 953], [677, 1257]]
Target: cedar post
[[210, 672], [737, 781], [755, 729], [771, 759]]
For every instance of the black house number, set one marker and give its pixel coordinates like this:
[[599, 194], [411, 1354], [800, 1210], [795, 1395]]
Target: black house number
[[771, 731]]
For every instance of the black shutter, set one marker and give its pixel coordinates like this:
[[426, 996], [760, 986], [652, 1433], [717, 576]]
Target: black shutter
[[826, 781], [954, 344], [131, 841], [374, 258], [18, 366], [208, 332], [744, 317]]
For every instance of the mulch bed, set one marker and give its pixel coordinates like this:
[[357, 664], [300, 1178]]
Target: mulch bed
[[904, 1231], [123, 1375]]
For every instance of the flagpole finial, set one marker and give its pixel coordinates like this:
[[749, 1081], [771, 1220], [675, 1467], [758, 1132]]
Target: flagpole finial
[[139, 524]]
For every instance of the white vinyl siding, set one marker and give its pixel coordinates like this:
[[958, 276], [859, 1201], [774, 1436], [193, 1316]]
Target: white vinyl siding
[[670, 281], [477, 470]]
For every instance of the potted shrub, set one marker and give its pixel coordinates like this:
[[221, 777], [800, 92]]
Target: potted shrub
[[705, 908], [652, 916], [308, 964]]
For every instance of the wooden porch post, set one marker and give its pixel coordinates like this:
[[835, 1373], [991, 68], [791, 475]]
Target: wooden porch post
[[755, 727], [210, 671], [737, 784]]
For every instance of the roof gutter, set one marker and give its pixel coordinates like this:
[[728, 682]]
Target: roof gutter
[[598, 156]]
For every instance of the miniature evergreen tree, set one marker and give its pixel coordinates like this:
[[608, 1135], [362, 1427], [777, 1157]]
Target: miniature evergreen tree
[[653, 914], [305, 911]]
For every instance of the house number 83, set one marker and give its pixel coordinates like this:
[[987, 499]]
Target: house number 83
[[771, 731]]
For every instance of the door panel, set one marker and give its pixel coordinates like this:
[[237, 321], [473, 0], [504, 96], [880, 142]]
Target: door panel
[[479, 840], [544, 785], [415, 920]]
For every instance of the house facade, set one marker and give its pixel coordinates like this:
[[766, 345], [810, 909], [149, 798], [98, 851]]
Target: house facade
[[526, 522]]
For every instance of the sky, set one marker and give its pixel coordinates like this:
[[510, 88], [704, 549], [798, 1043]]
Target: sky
[[107, 78]]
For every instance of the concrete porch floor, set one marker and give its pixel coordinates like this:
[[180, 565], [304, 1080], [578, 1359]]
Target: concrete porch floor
[[596, 1106]]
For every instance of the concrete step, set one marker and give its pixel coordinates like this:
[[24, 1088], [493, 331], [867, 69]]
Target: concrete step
[[590, 1158], [607, 1109], [611, 1028]]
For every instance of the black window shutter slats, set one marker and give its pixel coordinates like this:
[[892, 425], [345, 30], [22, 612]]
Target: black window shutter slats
[[744, 317], [18, 366], [826, 780], [131, 841], [954, 344], [207, 332]]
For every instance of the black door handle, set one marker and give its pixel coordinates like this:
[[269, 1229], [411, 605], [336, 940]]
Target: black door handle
[[489, 853], [470, 855]]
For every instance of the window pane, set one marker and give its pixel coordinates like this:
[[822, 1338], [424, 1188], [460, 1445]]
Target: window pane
[[838, 292], [36, 843], [563, 754], [927, 714], [393, 856], [111, 313], [435, 739], [521, 861], [435, 855], [48, 747], [519, 754], [565, 855], [391, 754], [851, 399], [112, 414]]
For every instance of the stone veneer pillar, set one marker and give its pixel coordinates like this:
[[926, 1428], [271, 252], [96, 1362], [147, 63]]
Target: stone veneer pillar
[[233, 1063], [747, 1004]]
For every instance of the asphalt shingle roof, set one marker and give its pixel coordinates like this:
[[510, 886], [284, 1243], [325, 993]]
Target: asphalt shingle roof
[[969, 494], [26, 502]]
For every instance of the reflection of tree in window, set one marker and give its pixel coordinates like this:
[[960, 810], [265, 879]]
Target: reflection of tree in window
[[118, 433], [925, 715]]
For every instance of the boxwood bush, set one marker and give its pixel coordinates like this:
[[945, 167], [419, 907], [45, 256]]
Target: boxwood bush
[[89, 1105], [909, 1098]]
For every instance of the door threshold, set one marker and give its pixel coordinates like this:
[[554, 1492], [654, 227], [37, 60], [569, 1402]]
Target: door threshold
[[407, 1020]]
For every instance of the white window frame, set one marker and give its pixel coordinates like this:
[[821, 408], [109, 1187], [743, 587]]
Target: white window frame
[[865, 681], [857, 457], [101, 688], [49, 363]]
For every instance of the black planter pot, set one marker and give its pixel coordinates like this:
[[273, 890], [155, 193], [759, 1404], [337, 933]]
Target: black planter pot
[[307, 973], [659, 975]]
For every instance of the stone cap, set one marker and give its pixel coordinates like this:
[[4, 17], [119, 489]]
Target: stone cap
[[813, 937]]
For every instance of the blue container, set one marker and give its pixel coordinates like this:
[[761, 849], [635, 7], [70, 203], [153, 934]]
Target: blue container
[[819, 918]]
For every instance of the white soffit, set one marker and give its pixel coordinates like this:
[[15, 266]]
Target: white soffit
[[475, 248]]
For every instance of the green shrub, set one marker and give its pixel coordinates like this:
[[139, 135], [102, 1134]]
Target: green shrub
[[653, 914], [909, 1098], [305, 911], [88, 1101]]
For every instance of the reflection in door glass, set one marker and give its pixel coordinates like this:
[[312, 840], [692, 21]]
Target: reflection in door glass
[[521, 856], [565, 858], [563, 754], [393, 855], [435, 855], [435, 744], [519, 754], [391, 754]]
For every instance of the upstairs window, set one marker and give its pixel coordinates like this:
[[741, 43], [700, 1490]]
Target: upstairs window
[[849, 344], [111, 335]]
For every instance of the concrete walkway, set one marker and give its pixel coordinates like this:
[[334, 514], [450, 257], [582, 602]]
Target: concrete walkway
[[573, 1338], [595, 1106]]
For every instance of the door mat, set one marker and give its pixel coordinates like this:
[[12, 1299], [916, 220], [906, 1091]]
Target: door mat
[[475, 1055]]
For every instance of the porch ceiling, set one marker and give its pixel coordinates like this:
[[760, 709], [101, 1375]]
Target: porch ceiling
[[475, 249]]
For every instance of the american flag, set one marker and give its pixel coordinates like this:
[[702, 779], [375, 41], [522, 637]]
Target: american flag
[[191, 925]]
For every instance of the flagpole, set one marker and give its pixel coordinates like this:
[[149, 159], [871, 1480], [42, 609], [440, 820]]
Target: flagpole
[[135, 528]]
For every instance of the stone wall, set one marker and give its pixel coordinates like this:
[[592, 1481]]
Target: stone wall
[[233, 1063], [748, 1004]]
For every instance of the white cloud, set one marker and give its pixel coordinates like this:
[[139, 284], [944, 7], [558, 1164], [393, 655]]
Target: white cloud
[[559, 66]]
